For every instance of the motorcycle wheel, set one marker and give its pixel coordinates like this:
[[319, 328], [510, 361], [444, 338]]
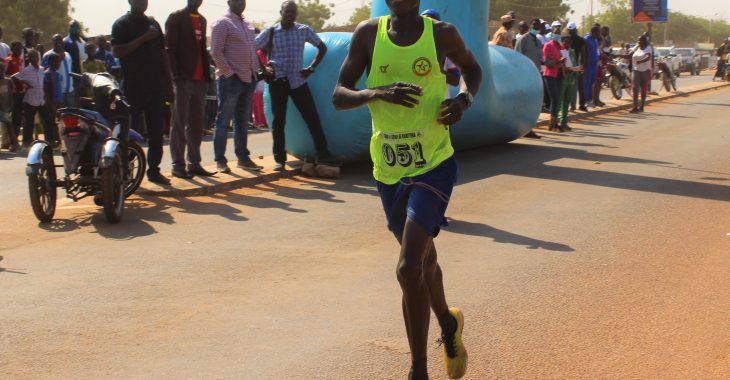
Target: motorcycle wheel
[[42, 189], [112, 190], [137, 162], [666, 82], [615, 85]]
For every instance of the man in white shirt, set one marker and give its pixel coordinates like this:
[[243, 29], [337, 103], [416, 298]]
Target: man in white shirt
[[31, 77]]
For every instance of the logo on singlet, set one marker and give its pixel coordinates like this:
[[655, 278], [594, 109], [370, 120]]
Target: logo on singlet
[[422, 67], [384, 69]]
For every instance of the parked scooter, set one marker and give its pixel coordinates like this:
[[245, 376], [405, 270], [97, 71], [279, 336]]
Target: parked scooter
[[93, 157], [667, 76], [618, 76]]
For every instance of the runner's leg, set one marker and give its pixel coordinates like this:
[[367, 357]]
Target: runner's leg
[[416, 244]]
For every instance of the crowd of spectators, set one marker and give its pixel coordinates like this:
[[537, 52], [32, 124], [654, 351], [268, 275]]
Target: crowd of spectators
[[174, 83], [572, 67]]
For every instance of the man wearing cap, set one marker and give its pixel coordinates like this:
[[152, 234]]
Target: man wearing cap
[[529, 46], [504, 36], [544, 27], [579, 46]]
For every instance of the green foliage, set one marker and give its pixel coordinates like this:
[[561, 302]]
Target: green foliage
[[527, 9], [314, 13], [683, 30], [45, 16], [360, 14]]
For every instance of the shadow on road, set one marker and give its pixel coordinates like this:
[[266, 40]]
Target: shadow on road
[[502, 236], [533, 161]]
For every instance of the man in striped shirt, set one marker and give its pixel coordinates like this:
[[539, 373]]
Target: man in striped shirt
[[233, 48]]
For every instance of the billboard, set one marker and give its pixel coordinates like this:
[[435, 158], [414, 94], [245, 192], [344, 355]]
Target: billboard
[[649, 11]]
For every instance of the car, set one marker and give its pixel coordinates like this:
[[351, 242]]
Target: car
[[669, 52], [690, 60]]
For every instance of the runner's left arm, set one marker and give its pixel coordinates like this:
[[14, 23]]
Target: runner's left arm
[[449, 40]]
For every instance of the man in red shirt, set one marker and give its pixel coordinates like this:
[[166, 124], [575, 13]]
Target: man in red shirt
[[13, 64], [186, 31]]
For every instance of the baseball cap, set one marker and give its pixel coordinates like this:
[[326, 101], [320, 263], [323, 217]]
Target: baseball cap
[[556, 23], [572, 25], [432, 13]]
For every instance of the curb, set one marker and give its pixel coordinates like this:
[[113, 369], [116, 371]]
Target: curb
[[603, 111]]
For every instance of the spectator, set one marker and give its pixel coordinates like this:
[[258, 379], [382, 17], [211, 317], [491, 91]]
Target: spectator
[[529, 46], [288, 43], [591, 68], [92, 65], [9, 139], [568, 88], [722, 54], [522, 28], [504, 36], [104, 54], [186, 32], [31, 78], [604, 56], [259, 116], [53, 84], [4, 48], [140, 45], [233, 46], [553, 75], [75, 45], [28, 37], [544, 28], [579, 47], [67, 83], [641, 63], [14, 64]]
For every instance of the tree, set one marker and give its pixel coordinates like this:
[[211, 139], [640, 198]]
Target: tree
[[47, 17], [549, 10], [361, 14], [314, 13], [683, 30]]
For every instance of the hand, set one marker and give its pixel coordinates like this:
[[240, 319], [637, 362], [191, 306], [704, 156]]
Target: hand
[[151, 34], [307, 72], [399, 93], [451, 111]]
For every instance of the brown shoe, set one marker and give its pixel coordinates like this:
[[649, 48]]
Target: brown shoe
[[249, 165]]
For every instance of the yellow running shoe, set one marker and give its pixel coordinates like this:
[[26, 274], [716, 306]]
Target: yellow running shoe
[[454, 351]]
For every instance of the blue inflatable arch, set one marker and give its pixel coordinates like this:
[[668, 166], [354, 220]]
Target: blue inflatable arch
[[506, 108]]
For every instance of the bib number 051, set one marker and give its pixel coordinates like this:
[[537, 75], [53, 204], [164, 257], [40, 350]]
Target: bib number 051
[[404, 155]]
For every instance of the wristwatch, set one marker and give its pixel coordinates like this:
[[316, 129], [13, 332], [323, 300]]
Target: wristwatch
[[466, 97]]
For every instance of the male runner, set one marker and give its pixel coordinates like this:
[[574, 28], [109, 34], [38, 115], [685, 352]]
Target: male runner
[[412, 154]]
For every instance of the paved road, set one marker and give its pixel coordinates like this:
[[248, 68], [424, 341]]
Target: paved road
[[595, 254]]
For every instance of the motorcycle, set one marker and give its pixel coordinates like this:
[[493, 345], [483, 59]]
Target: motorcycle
[[666, 74], [618, 76], [93, 158]]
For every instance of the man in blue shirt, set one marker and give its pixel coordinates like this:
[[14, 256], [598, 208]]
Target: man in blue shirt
[[286, 57], [104, 54], [591, 70]]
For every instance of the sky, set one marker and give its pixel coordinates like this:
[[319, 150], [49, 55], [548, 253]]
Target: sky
[[98, 15]]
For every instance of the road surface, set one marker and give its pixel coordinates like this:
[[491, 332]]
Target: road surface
[[601, 253]]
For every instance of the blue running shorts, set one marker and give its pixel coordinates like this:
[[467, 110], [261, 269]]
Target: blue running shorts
[[423, 199]]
